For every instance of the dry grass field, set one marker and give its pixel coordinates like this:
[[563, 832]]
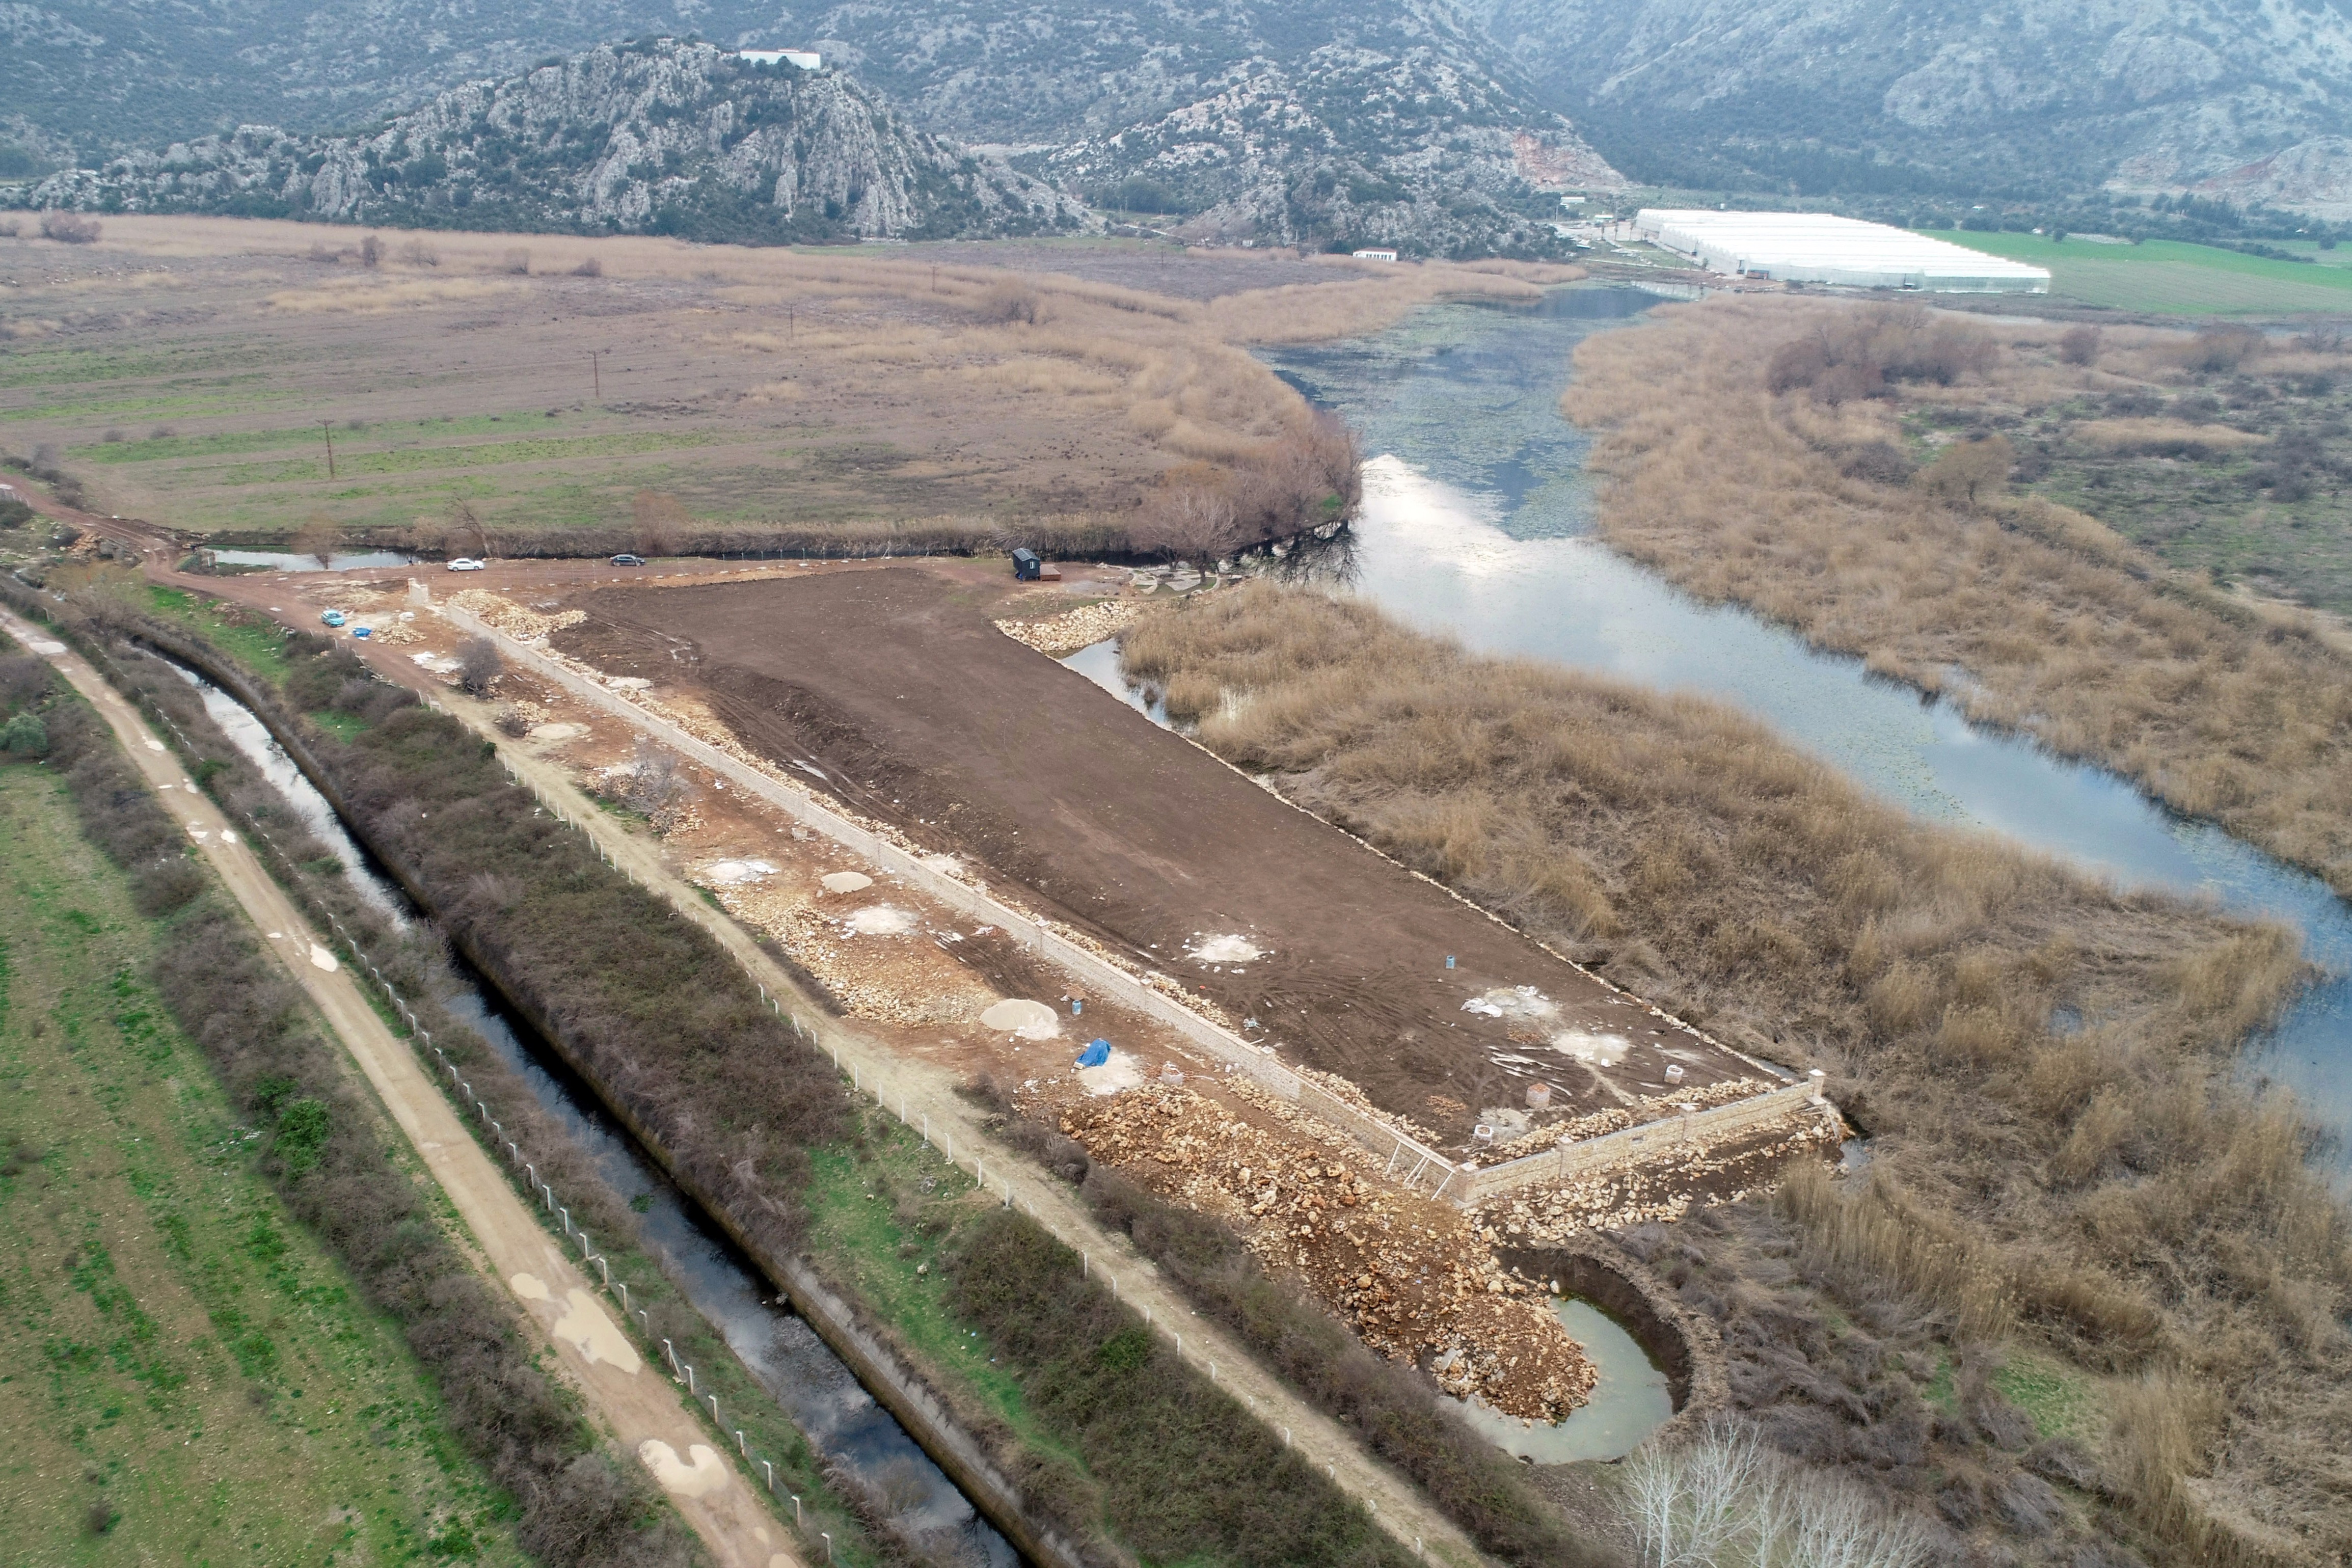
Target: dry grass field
[[1847, 471], [2066, 1172], [548, 396]]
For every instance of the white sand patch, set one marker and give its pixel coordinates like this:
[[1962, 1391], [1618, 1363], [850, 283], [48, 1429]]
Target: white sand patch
[[1030, 1020], [437, 663], [45, 647], [734, 873], [228, 836], [1224, 949], [586, 1327], [1513, 1002], [556, 731], [1120, 1072], [1600, 1050], [153, 744], [627, 682], [277, 936], [321, 959], [881, 919], [945, 865], [845, 881], [530, 1287], [705, 1475]]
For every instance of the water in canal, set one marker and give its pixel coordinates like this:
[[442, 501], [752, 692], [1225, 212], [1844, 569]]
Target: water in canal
[[822, 1397]]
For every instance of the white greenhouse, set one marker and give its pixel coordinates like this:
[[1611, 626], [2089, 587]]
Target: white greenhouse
[[1815, 247]]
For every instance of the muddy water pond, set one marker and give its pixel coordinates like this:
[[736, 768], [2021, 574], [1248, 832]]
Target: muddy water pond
[[1630, 1400], [1477, 522], [821, 1395]]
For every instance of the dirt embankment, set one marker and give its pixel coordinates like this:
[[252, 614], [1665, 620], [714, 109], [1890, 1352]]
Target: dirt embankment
[[899, 696]]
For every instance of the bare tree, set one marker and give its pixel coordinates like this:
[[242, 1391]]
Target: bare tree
[[466, 530], [1192, 520], [659, 518], [318, 537], [478, 666], [1728, 1501]]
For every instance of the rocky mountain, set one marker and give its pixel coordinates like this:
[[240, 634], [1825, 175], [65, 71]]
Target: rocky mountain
[[1279, 121], [660, 137], [2026, 98], [1298, 121]]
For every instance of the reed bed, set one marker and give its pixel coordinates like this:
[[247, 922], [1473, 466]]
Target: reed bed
[[2064, 1156], [1742, 473]]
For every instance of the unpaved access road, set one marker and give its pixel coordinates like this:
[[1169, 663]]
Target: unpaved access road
[[925, 1095], [634, 1400]]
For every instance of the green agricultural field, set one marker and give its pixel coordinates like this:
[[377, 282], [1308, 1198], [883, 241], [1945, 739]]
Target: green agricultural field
[[2171, 278], [185, 1376]]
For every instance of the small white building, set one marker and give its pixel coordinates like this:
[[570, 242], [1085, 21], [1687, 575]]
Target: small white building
[[807, 60], [1816, 247], [1376, 256]]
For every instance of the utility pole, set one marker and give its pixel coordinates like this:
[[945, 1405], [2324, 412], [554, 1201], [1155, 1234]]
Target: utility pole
[[328, 427], [791, 325], [596, 374]]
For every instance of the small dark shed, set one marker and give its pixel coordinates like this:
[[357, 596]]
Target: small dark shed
[[1026, 566]]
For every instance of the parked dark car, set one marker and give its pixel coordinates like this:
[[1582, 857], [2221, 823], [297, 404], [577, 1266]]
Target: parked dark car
[[625, 558]]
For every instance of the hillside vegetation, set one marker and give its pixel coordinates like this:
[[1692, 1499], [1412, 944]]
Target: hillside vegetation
[[1766, 452], [2065, 1172]]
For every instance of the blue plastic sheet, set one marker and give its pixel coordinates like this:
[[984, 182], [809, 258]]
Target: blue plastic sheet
[[1094, 1055]]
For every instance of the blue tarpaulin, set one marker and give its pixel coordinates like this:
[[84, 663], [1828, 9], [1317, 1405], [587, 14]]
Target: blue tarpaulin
[[1094, 1055]]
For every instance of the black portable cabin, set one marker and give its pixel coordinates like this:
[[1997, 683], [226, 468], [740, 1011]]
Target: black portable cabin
[[1026, 566]]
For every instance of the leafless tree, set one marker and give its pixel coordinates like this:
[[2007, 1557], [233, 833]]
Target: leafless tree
[[317, 538], [1192, 521], [69, 227], [478, 666]]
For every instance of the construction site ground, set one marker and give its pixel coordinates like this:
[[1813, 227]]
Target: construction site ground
[[923, 990]]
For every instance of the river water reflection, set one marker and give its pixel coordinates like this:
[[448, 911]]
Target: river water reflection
[[1476, 519]]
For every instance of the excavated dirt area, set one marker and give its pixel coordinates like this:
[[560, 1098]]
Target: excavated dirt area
[[895, 692]]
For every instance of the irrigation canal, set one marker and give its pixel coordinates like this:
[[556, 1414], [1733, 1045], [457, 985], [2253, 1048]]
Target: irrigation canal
[[841, 1420]]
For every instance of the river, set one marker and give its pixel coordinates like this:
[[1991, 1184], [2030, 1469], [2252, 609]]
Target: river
[[1477, 521], [817, 1390]]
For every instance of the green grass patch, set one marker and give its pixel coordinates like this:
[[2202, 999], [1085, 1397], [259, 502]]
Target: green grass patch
[[894, 1257], [2170, 277], [259, 644], [2061, 1402], [181, 1355]]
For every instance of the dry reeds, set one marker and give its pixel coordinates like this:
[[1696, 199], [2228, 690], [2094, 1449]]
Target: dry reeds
[[2111, 1190], [2063, 630]]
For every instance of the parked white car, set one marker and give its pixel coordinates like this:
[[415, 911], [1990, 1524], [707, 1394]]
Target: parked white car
[[466, 563]]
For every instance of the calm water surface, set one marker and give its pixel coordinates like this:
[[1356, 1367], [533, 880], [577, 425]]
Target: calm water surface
[[1476, 520]]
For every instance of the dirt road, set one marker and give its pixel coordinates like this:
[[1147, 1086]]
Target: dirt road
[[918, 1090], [634, 1400]]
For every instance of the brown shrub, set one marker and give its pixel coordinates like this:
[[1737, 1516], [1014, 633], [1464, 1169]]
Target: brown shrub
[[2079, 345], [69, 227], [2114, 1192]]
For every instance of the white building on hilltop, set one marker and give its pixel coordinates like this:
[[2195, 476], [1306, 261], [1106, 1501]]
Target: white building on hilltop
[[805, 59], [1815, 247]]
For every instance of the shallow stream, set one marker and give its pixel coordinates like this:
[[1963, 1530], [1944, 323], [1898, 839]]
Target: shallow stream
[[817, 1390]]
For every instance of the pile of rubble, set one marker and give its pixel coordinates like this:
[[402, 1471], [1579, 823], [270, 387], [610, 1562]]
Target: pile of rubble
[[524, 626], [1074, 629], [1617, 1117], [869, 974], [1408, 1273], [1659, 1188]]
